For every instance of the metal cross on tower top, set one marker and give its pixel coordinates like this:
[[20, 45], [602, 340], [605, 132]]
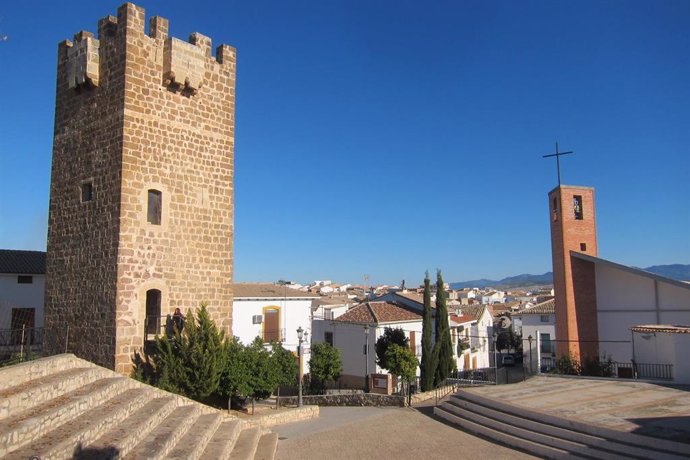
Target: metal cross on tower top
[[558, 161]]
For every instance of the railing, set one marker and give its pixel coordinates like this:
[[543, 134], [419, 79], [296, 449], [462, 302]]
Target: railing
[[273, 335], [17, 345], [644, 371], [486, 375], [620, 370], [24, 336]]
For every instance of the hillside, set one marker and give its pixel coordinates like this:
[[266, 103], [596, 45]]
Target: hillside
[[673, 271]]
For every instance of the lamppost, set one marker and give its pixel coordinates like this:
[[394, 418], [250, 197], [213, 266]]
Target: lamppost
[[366, 358], [300, 336], [495, 336], [529, 339]]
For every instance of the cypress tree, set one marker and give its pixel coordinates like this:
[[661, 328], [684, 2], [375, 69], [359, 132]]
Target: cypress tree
[[444, 347], [428, 366]]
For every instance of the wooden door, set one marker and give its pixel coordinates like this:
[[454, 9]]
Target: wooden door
[[271, 325]]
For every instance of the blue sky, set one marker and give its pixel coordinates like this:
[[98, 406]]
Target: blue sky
[[391, 137]]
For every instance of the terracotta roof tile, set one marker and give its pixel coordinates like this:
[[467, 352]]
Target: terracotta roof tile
[[544, 308], [267, 290], [378, 313]]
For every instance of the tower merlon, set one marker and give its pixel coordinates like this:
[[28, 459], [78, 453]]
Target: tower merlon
[[158, 28], [184, 62], [83, 60]]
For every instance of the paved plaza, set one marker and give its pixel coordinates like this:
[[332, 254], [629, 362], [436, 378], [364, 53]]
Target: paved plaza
[[401, 433], [374, 433]]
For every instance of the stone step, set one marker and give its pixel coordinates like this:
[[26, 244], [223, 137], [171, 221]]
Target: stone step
[[40, 390], [193, 443], [119, 440], [245, 446], [223, 440], [18, 374], [597, 446], [165, 436], [504, 438], [268, 444], [654, 447], [66, 439], [562, 440], [27, 426]]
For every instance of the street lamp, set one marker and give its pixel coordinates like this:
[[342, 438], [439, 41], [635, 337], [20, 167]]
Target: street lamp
[[366, 358], [300, 336], [495, 336], [529, 339]]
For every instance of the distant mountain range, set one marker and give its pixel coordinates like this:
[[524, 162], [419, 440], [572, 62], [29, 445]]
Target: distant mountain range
[[674, 271]]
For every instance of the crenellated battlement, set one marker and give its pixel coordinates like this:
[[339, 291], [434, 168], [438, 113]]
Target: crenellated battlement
[[184, 63]]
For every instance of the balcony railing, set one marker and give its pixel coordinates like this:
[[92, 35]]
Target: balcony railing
[[16, 337], [273, 335]]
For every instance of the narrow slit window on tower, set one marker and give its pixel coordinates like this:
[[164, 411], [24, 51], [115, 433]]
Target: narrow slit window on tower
[[153, 311], [577, 207], [583, 247], [86, 191], [155, 201], [555, 209]]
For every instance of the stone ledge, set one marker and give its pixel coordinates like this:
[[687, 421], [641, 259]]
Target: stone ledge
[[282, 416], [357, 399]]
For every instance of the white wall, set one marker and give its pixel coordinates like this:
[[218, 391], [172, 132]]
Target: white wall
[[294, 313], [15, 295], [665, 348], [626, 299], [350, 339]]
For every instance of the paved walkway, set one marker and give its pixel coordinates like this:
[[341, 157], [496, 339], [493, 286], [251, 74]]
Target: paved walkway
[[624, 405], [391, 433]]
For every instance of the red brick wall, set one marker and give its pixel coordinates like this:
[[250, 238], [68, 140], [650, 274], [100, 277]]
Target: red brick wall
[[573, 283]]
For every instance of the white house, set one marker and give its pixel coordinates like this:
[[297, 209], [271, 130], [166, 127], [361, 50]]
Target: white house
[[273, 312], [364, 324], [471, 333], [494, 297], [667, 347], [330, 307], [22, 286], [539, 323]]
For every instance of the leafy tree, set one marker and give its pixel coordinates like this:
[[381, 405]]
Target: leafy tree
[[324, 365], [390, 337], [237, 374], [191, 362], [402, 362], [428, 366], [505, 339], [443, 348], [568, 365], [263, 376], [285, 366]]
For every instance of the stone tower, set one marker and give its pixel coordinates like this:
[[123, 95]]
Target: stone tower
[[573, 229], [141, 196]]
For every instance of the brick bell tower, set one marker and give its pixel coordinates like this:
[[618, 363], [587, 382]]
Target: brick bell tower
[[573, 229], [141, 196]]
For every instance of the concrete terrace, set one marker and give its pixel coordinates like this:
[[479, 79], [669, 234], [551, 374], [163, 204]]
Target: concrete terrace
[[623, 405]]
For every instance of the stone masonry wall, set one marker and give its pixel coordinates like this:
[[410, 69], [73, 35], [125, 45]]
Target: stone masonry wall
[[81, 261], [155, 119]]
